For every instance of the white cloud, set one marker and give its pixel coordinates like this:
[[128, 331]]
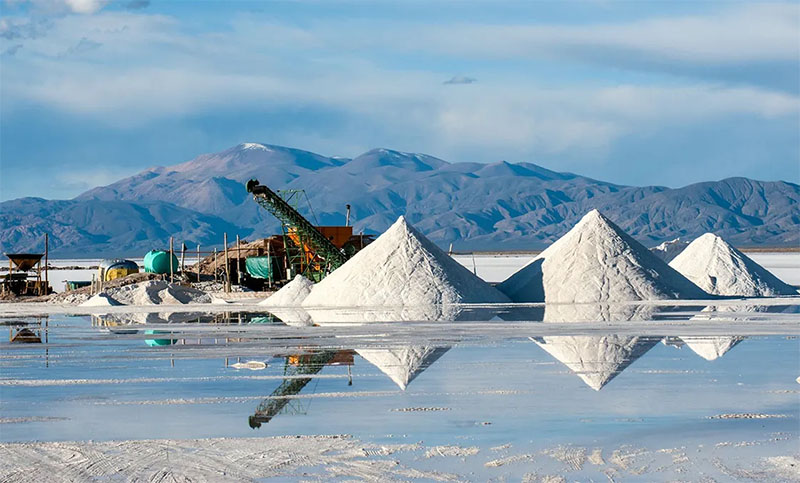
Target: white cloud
[[149, 68]]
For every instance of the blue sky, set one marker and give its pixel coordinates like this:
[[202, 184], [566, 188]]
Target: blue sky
[[666, 93]]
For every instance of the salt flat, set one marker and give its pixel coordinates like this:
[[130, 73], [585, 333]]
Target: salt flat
[[694, 394]]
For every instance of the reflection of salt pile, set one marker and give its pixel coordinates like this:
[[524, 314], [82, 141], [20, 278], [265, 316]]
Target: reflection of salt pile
[[284, 303], [403, 365], [711, 348], [402, 268], [594, 262], [155, 292], [101, 300], [669, 249], [596, 360], [721, 269]]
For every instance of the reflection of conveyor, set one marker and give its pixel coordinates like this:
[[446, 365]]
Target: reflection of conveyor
[[296, 367]]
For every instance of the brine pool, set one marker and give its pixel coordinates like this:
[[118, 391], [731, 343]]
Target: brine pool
[[680, 395]]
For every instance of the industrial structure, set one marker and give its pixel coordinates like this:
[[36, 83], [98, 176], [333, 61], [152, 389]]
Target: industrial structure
[[19, 280], [309, 250]]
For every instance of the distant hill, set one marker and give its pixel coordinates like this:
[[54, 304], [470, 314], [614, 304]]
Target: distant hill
[[499, 206]]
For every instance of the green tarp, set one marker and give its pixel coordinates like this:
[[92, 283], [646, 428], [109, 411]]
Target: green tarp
[[259, 267]]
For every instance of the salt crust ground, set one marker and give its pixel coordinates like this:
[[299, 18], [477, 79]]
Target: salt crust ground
[[720, 269], [596, 261], [337, 457]]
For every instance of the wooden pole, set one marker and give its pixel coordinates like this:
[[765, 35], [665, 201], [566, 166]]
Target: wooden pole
[[46, 262], [238, 261], [227, 268], [269, 261], [183, 260], [215, 266], [198, 263], [171, 255]]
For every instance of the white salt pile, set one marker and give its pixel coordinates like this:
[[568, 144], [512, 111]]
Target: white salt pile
[[720, 269], [669, 249], [101, 300], [596, 360], [291, 294], [401, 268], [597, 262], [403, 365], [156, 292], [285, 303]]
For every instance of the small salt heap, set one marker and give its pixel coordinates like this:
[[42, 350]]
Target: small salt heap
[[597, 262], [403, 365], [291, 294], [669, 249], [101, 300], [711, 348], [401, 268], [720, 269], [285, 303], [157, 292]]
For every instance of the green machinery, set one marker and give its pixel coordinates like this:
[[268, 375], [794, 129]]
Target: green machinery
[[294, 382], [308, 251]]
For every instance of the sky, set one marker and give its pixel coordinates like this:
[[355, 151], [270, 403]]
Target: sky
[[640, 92]]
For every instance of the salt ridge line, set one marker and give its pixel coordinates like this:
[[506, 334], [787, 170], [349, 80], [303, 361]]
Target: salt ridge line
[[720, 269], [596, 261]]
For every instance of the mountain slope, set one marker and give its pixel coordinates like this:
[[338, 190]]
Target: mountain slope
[[94, 227], [498, 206]]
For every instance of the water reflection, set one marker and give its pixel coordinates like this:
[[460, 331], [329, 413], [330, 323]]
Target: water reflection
[[595, 359]]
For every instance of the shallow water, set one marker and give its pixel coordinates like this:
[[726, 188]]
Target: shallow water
[[510, 394]]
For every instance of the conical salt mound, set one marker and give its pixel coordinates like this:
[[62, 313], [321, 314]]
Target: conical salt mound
[[101, 300], [596, 360], [403, 365], [720, 269], [400, 268], [597, 262]]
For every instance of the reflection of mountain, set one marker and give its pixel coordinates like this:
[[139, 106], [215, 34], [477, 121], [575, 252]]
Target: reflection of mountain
[[596, 360], [403, 364]]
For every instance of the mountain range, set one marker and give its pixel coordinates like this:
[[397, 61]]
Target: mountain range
[[499, 206]]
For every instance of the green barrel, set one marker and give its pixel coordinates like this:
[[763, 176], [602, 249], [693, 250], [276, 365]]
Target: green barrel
[[157, 261], [158, 342]]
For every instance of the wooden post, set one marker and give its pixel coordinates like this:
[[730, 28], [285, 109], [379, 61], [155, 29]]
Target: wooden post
[[46, 262], [198, 263], [183, 260], [238, 261], [227, 267], [216, 279], [171, 269], [269, 261]]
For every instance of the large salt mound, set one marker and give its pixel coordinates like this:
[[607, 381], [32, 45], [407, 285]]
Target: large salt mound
[[156, 292], [597, 262], [721, 269], [401, 268], [403, 365], [596, 360], [285, 303]]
